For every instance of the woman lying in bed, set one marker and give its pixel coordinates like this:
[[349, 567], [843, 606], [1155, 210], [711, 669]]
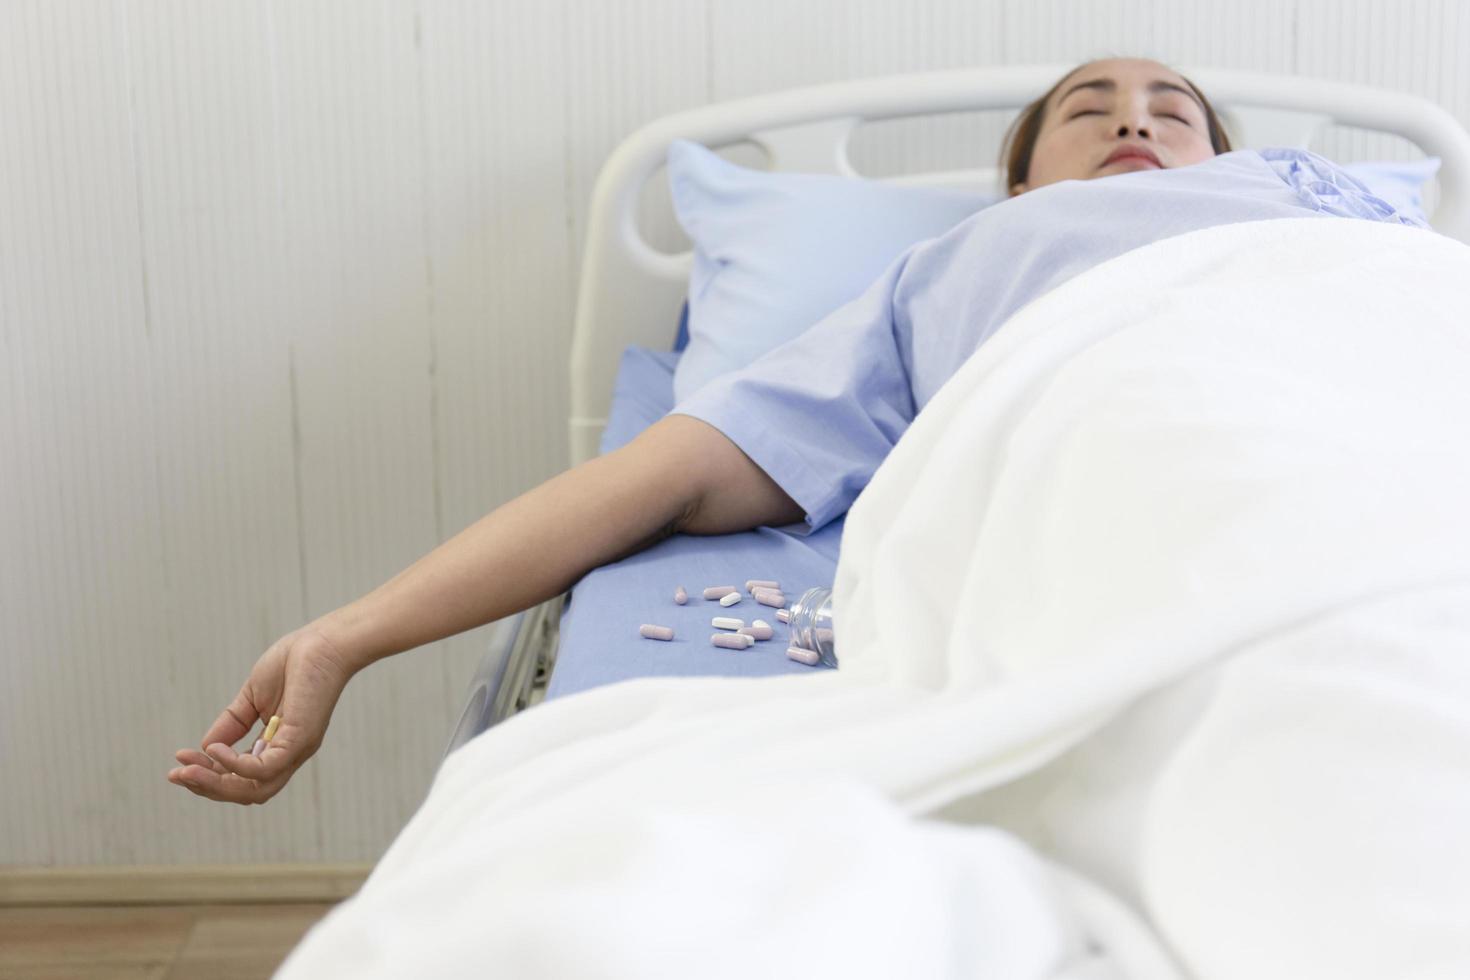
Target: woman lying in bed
[[710, 467]]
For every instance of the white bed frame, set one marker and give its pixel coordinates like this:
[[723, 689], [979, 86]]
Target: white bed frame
[[630, 293]]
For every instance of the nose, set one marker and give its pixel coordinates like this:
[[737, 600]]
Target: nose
[[1132, 116]]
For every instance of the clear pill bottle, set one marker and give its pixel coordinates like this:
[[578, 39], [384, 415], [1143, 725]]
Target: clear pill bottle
[[811, 624]]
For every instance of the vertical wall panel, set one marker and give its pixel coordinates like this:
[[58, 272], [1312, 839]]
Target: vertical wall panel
[[80, 519], [628, 63], [1419, 46], [203, 143], [1247, 34], [133, 360], [494, 93], [768, 45], [352, 203]]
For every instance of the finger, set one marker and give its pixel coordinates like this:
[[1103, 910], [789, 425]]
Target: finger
[[234, 723], [223, 787], [204, 782], [258, 767], [190, 777], [193, 757]]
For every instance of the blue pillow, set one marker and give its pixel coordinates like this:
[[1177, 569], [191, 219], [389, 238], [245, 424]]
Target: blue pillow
[[1400, 183], [776, 252]]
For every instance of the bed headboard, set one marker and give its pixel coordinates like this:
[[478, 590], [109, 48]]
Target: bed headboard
[[630, 293]]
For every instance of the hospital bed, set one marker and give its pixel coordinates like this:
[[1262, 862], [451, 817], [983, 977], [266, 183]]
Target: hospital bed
[[629, 304]]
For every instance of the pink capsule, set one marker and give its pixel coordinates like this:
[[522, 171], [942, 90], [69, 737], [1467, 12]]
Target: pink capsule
[[259, 747], [784, 615], [761, 583], [770, 599], [651, 632], [680, 596], [758, 630], [802, 655], [719, 591], [732, 641]]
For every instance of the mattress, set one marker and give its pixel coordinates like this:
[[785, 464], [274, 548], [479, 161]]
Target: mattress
[[599, 626]]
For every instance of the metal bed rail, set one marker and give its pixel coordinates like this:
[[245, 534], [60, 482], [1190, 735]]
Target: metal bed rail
[[513, 673]]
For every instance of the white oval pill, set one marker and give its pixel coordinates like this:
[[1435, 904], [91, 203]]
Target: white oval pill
[[719, 591], [726, 623], [730, 599], [651, 632], [731, 641], [680, 596], [259, 747], [809, 657], [761, 583]]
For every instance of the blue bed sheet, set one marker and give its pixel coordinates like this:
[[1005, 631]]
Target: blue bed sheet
[[599, 627]]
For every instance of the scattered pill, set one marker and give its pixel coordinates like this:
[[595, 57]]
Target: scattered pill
[[824, 635], [651, 632], [771, 599], [758, 630], [732, 641], [726, 623], [730, 600], [719, 591], [259, 747], [761, 583], [680, 596], [802, 655], [784, 615], [270, 730]]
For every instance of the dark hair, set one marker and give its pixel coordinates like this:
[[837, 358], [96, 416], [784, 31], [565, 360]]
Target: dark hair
[[1020, 138]]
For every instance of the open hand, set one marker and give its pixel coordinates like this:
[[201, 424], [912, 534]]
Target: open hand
[[300, 677]]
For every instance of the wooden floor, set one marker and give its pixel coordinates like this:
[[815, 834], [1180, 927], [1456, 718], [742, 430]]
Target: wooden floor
[[151, 942]]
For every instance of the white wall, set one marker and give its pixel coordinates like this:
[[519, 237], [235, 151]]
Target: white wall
[[285, 299]]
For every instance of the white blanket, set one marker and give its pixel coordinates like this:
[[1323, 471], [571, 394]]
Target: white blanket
[[1172, 580]]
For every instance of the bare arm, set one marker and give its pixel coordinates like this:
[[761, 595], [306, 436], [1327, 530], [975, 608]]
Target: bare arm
[[680, 474]]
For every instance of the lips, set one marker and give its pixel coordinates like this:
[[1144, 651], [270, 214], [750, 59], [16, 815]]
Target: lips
[[1132, 153]]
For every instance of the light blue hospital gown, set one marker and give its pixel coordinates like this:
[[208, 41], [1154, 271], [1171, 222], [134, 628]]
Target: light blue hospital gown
[[820, 412]]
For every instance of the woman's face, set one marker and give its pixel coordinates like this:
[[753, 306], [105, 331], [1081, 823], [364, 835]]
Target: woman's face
[[1114, 116]]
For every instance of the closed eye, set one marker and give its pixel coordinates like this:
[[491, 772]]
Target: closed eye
[[1098, 112]]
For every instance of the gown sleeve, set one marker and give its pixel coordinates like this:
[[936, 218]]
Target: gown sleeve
[[820, 413]]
